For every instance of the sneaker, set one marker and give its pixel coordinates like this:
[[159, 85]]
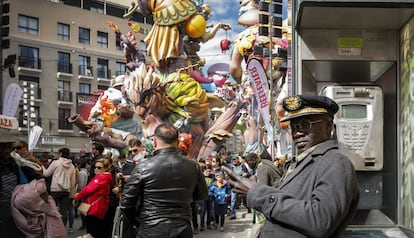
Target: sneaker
[[232, 217], [202, 228], [70, 230], [222, 229], [208, 227], [195, 231]]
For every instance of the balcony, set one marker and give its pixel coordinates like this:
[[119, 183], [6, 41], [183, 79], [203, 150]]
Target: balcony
[[104, 76], [64, 126], [64, 70], [29, 65], [85, 73], [119, 72], [65, 98]]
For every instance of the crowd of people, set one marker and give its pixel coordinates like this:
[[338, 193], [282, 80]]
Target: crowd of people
[[161, 193]]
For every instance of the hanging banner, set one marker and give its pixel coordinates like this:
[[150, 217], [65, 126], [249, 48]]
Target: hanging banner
[[258, 79], [34, 136], [11, 99], [84, 104]]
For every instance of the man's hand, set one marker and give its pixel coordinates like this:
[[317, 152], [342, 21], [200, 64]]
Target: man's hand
[[240, 184]]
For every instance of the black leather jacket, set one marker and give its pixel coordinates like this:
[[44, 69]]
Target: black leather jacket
[[161, 188]]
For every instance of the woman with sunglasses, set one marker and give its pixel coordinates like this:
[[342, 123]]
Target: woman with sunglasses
[[96, 193]]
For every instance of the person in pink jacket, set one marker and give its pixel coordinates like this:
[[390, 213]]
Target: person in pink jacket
[[96, 193]]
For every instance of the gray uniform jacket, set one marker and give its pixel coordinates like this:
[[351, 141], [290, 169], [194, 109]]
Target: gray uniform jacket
[[317, 199]]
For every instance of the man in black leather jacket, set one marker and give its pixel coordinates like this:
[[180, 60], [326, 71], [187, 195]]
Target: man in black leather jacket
[[161, 188]]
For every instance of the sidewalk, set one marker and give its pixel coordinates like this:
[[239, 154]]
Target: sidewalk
[[238, 228]]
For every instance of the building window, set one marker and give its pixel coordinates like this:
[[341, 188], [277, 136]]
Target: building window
[[63, 115], [120, 68], [142, 46], [84, 35], [63, 32], [102, 68], [29, 57], [97, 9], [102, 39], [64, 65], [85, 65], [102, 87], [64, 93], [118, 42], [84, 88], [28, 25]]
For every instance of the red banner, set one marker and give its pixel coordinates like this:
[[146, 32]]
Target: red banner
[[84, 104]]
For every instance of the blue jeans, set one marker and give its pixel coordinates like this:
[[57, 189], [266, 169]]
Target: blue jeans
[[233, 204], [206, 209], [71, 212]]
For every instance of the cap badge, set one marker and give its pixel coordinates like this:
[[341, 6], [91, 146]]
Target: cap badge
[[292, 103]]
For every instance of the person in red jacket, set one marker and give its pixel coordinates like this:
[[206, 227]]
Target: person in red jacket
[[96, 193]]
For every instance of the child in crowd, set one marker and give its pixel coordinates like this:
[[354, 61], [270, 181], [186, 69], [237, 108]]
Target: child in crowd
[[220, 192], [206, 205]]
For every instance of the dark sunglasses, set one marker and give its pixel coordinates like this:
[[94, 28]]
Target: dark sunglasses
[[134, 150], [304, 125], [214, 161], [98, 167]]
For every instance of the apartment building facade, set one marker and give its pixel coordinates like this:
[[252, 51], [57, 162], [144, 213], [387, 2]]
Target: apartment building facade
[[64, 49]]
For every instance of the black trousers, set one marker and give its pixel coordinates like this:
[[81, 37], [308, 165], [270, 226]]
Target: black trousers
[[166, 230], [94, 226]]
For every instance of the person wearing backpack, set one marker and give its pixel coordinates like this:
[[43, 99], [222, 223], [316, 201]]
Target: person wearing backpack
[[63, 180]]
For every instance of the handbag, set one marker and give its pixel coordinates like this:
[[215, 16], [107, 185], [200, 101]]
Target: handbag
[[84, 207]]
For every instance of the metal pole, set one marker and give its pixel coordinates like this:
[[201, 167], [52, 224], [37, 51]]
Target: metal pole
[[271, 116], [29, 109]]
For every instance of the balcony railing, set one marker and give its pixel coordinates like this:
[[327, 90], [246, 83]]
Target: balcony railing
[[65, 125], [85, 70], [64, 67], [37, 93], [65, 96], [104, 74], [119, 72], [30, 62]]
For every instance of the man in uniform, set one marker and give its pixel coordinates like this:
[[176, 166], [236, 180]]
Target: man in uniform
[[318, 194]]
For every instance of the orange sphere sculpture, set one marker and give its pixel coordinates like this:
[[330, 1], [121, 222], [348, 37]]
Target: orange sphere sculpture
[[196, 26]]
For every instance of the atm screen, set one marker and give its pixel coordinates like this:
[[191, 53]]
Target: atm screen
[[354, 111]]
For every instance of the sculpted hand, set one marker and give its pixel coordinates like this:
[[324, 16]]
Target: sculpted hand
[[240, 184]]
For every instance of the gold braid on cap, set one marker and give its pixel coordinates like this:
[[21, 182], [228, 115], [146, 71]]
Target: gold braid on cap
[[305, 111]]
